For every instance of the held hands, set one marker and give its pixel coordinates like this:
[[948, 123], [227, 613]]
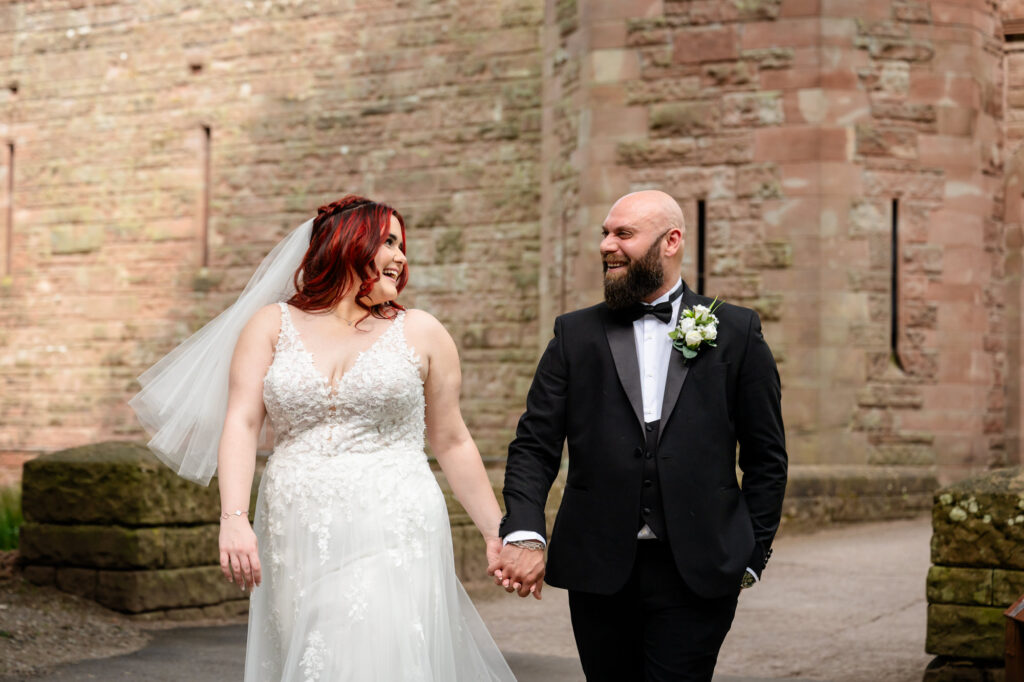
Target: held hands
[[517, 569], [239, 559]]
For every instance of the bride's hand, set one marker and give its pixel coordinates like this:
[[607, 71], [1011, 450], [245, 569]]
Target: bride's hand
[[239, 558], [493, 549]]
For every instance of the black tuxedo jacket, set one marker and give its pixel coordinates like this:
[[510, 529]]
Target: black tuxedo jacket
[[587, 390]]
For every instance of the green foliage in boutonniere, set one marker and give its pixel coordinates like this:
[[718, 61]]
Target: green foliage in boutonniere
[[698, 326]]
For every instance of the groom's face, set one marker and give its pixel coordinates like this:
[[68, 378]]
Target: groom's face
[[632, 255]]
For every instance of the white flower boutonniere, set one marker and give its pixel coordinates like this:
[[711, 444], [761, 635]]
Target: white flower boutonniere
[[698, 326]]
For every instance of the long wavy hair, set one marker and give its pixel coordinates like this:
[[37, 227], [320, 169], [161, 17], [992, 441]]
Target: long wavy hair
[[342, 246]]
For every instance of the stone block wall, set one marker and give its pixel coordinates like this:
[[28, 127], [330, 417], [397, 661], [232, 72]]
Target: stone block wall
[[161, 149], [109, 522], [149, 179], [818, 495], [807, 130], [977, 567]]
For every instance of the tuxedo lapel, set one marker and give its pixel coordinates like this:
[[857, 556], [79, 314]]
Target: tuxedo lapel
[[623, 346], [677, 368]]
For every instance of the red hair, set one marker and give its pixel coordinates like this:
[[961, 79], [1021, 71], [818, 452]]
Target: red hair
[[342, 247]]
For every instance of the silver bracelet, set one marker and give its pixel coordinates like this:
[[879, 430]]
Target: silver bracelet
[[528, 544], [237, 512]]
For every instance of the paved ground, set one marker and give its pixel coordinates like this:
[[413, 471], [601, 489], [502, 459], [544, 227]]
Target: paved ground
[[844, 605]]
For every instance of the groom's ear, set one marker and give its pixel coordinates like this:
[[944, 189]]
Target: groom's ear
[[674, 242]]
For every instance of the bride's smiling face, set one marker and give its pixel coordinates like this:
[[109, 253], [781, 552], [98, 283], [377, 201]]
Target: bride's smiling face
[[390, 261]]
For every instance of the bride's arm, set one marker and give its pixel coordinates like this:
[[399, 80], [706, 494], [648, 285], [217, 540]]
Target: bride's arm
[[236, 455], [449, 438]]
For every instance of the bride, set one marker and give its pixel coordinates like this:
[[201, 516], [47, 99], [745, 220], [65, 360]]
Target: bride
[[350, 552]]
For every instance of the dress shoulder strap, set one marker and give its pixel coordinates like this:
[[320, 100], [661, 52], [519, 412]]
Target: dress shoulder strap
[[288, 336], [398, 325]]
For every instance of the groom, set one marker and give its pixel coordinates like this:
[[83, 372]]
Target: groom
[[654, 537]]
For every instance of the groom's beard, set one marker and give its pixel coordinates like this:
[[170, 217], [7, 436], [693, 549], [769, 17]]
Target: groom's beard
[[642, 278]]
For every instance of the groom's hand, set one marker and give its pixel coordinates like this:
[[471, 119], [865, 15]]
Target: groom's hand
[[519, 570]]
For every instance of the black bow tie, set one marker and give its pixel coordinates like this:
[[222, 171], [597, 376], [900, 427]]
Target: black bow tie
[[662, 311]]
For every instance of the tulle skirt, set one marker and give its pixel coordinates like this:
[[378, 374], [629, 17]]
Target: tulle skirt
[[358, 579]]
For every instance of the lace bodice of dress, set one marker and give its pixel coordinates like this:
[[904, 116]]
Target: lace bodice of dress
[[377, 404]]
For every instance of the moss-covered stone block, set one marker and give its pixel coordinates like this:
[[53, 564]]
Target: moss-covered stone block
[[40, 575], [965, 631], [944, 669], [950, 585], [139, 591], [112, 483], [192, 546], [80, 581], [119, 547], [93, 546], [980, 521], [1007, 587]]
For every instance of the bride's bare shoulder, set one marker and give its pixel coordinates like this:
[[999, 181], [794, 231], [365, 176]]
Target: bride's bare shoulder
[[265, 322], [421, 325], [422, 321]]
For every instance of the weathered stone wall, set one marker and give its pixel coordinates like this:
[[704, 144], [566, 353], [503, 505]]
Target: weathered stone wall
[[978, 569], [504, 131], [432, 106], [933, 141], [798, 124], [819, 495], [1012, 12], [110, 522]]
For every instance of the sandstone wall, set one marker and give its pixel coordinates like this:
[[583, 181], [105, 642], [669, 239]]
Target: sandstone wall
[[504, 131], [807, 129], [432, 106]]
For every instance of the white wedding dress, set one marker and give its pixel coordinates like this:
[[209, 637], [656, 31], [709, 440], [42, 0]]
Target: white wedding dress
[[358, 573]]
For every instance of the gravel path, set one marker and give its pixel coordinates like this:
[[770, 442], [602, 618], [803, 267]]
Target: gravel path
[[43, 627]]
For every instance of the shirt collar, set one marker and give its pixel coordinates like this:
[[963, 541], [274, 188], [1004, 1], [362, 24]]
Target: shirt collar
[[665, 297]]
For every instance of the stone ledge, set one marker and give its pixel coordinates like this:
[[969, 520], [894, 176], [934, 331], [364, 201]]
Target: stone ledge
[[115, 482], [975, 632], [224, 610], [141, 591], [974, 586], [819, 495], [947, 669], [118, 547]]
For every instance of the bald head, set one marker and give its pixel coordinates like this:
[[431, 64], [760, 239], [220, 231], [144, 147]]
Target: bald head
[[652, 205]]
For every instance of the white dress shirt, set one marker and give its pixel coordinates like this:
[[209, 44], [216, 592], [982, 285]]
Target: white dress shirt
[[653, 352]]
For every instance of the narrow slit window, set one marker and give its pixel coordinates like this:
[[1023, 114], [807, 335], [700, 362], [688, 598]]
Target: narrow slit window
[[9, 222], [204, 225], [701, 244], [894, 322]]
